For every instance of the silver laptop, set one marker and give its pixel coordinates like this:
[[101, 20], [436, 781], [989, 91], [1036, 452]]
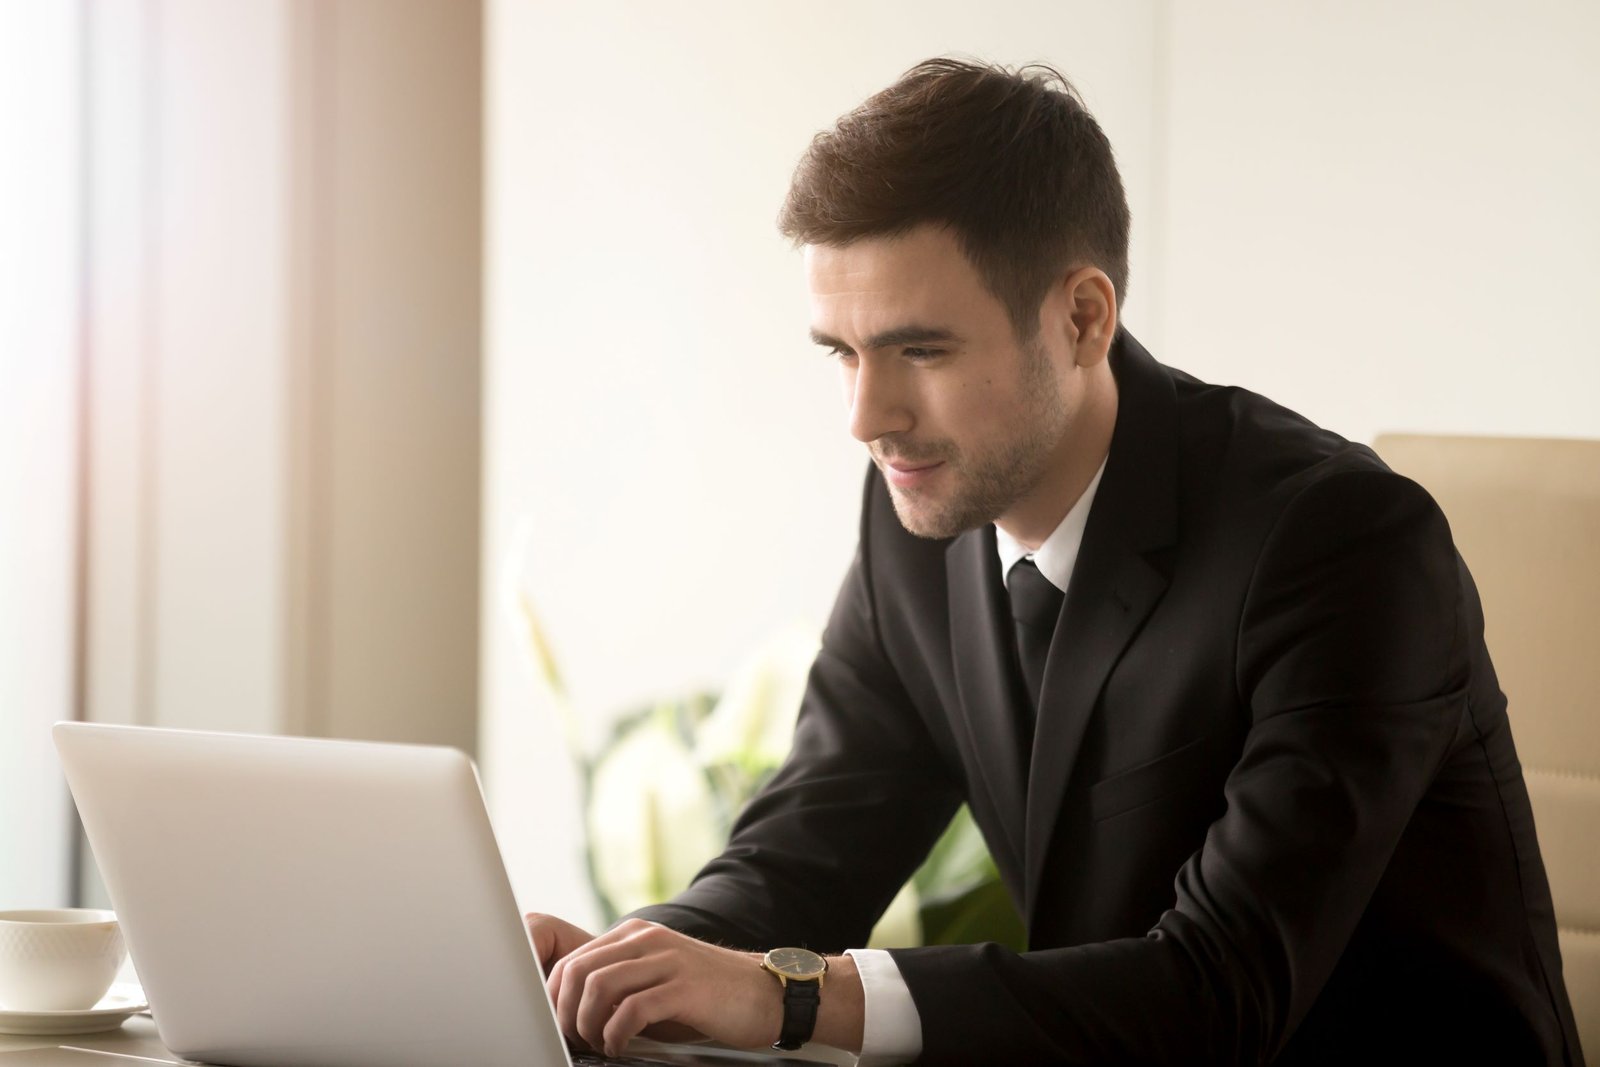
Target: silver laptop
[[305, 903]]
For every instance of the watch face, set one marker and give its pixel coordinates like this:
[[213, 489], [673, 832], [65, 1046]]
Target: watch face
[[800, 964]]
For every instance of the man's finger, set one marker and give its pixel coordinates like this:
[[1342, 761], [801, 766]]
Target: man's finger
[[552, 980], [633, 1014], [575, 969], [542, 936], [610, 986], [553, 938]]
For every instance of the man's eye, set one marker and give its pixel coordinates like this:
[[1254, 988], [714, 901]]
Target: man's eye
[[921, 353], [843, 354]]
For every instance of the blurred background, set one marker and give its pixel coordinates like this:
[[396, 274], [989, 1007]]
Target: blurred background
[[336, 333]]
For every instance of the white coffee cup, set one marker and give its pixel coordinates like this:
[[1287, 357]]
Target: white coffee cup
[[58, 959]]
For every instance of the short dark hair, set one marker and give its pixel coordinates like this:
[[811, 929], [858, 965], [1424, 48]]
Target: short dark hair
[[1010, 160]]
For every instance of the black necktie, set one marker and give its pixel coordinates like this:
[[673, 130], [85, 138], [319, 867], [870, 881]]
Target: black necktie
[[1035, 606]]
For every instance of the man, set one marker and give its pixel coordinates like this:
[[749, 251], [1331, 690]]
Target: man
[[1212, 679]]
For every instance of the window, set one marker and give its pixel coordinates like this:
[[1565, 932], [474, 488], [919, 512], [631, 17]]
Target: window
[[41, 170]]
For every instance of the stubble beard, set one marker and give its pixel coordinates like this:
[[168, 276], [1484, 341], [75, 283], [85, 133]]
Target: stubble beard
[[987, 483]]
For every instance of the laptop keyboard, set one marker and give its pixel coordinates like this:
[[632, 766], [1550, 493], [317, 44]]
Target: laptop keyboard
[[712, 1056], [708, 1058]]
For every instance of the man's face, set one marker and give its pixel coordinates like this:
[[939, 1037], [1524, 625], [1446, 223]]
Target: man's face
[[962, 418]]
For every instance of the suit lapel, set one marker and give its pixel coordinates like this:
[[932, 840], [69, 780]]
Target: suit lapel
[[1114, 588], [991, 708], [1112, 593]]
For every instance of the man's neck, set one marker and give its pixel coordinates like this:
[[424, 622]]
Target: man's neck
[[1082, 450]]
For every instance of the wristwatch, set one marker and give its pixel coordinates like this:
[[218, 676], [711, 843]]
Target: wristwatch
[[801, 972]]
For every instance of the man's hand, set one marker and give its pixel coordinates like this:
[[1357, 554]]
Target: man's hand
[[641, 978], [553, 938]]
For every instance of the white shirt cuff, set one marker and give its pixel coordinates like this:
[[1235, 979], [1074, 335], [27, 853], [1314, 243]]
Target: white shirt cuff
[[892, 1028]]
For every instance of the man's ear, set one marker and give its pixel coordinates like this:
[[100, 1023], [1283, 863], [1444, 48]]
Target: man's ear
[[1091, 305]]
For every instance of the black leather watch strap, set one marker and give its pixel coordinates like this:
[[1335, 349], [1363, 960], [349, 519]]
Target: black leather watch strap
[[800, 1001]]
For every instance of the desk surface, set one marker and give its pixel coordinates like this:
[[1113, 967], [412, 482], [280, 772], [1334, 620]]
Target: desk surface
[[137, 1037]]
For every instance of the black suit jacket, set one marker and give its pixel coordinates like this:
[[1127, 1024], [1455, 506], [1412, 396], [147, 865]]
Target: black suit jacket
[[1270, 811]]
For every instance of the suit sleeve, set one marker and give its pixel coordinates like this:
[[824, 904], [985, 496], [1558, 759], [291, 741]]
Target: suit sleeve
[[1353, 668], [819, 853]]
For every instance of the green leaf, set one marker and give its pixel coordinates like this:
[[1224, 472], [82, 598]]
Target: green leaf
[[983, 913], [958, 861], [900, 926]]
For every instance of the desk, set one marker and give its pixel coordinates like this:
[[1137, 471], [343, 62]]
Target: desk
[[137, 1037]]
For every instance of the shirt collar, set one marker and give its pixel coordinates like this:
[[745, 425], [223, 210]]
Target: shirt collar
[[1057, 556]]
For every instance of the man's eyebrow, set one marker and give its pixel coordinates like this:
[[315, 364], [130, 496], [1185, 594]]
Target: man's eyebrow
[[899, 335]]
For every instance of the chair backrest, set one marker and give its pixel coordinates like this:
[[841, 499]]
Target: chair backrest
[[1525, 513]]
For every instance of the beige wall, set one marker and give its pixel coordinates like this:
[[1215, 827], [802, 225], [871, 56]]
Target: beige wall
[[1383, 214]]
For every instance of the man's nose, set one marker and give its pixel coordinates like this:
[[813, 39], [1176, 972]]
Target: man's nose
[[877, 402]]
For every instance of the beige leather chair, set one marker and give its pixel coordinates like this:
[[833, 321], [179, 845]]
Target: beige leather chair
[[1526, 517]]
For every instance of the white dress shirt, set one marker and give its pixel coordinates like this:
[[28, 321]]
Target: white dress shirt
[[892, 1029]]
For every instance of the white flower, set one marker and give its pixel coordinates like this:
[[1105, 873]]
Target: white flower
[[752, 726], [652, 816]]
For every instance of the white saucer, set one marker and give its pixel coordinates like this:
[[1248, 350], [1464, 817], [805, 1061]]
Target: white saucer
[[112, 1011]]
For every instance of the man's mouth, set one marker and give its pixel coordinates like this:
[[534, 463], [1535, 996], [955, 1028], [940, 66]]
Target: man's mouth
[[909, 473], [908, 466]]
